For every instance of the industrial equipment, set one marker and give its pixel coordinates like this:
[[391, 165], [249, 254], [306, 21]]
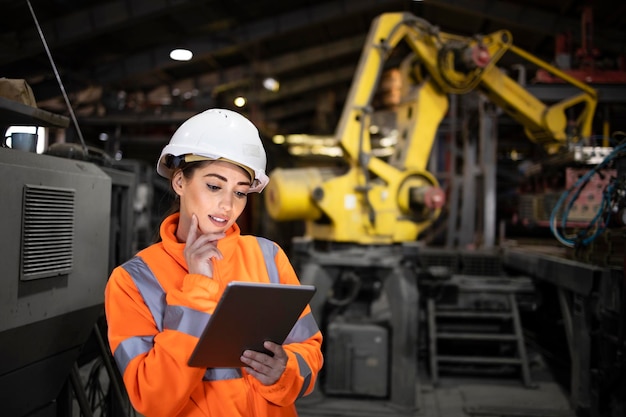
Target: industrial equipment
[[378, 201], [65, 224], [361, 246]]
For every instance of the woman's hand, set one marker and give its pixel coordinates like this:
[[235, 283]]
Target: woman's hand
[[267, 369], [200, 248]]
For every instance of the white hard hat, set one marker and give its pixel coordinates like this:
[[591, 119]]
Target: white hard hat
[[218, 134]]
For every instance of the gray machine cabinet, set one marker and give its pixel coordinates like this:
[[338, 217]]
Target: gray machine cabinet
[[357, 359], [53, 269]]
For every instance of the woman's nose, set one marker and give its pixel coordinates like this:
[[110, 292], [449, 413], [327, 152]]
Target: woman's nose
[[226, 203]]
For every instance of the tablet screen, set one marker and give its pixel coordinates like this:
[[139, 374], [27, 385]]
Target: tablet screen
[[248, 314]]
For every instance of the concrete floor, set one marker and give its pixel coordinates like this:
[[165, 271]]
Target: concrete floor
[[454, 398], [460, 396]]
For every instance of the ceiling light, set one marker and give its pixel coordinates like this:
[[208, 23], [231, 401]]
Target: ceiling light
[[239, 101], [181, 54], [271, 84], [278, 139]]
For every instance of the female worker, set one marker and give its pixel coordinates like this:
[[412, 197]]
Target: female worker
[[158, 302]]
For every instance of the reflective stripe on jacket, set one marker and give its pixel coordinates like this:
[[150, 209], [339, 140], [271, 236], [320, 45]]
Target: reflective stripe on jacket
[[155, 321]]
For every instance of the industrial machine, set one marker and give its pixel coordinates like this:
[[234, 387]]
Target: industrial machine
[[364, 220], [67, 220], [380, 201], [65, 224]]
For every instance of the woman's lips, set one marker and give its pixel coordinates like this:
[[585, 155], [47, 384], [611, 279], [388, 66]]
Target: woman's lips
[[218, 221]]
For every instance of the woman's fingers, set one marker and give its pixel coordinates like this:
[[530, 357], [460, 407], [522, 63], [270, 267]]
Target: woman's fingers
[[267, 369], [200, 248]]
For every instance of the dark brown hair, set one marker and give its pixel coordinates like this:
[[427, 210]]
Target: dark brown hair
[[188, 169]]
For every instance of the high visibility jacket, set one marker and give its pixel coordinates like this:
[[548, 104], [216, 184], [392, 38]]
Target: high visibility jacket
[[156, 311]]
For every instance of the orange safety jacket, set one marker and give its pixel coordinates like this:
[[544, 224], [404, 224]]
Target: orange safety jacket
[[156, 312]]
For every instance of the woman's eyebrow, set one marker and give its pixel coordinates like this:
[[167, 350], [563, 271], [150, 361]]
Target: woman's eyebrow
[[220, 177]]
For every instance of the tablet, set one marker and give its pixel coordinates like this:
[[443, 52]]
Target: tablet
[[248, 314]]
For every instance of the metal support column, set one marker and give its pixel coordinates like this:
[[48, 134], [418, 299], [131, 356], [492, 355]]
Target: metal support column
[[401, 286], [488, 138], [467, 229], [454, 179]]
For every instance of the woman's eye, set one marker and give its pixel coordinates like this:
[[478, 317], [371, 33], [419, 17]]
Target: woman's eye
[[213, 187], [241, 194]]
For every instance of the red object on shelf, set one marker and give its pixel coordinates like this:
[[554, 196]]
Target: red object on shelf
[[586, 55]]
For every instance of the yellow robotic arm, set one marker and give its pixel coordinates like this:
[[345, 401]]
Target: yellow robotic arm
[[381, 201], [546, 125]]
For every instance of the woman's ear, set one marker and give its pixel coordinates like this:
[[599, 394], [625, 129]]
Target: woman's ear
[[177, 181]]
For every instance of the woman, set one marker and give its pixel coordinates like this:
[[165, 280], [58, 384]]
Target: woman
[[158, 302]]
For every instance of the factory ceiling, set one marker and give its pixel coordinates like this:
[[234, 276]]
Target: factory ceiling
[[111, 58]]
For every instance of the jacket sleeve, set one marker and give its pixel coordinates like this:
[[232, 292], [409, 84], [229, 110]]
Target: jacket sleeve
[[303, 349], [153, 363]]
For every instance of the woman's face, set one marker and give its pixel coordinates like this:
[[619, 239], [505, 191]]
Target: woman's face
[[216, 193]]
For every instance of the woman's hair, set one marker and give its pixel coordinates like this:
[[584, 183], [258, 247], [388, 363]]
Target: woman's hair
[[187, 168]]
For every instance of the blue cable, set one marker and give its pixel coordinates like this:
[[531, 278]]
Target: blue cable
[[606, 201]]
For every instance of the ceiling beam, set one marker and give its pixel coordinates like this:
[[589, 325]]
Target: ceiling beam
[[242, 75], [213, 82], [241, 35], [81, 24], [315, 81]]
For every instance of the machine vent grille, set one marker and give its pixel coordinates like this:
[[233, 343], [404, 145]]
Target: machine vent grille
[[47, 232]]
